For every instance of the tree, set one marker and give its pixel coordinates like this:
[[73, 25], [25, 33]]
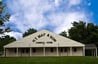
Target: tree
[[78, 31], [29, 31], [63, 34], [92, 31], [5, 40], [4, 17], [84, 33]]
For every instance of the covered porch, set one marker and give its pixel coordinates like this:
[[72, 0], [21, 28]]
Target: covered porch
[[45, 51], [90, 50]]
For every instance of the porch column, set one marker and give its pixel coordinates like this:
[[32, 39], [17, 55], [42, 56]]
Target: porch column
[[70, 51], [83, 51], [57, 51], [44, 51], [30, 51], [96, 51], [17, 52]]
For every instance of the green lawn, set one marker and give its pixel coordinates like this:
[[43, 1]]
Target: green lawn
[[49, 60]]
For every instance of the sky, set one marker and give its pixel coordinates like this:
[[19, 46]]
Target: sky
[[52, 15]]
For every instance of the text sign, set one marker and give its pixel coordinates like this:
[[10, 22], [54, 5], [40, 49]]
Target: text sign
[[44, 34]]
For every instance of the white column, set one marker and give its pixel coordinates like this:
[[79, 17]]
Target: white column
[[70, 51], [44, 51], [30, 51], [17, 52], [57, 51], [84, 51], [96, 51]]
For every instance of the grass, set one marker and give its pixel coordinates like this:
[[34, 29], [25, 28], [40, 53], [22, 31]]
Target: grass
[[49, 60]]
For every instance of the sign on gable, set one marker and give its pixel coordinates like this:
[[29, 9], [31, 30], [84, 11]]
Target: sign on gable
[[42, 35]]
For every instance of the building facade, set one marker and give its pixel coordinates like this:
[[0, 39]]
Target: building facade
[[44, 43]]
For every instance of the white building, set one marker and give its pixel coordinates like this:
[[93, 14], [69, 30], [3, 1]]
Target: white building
[[44, 43]]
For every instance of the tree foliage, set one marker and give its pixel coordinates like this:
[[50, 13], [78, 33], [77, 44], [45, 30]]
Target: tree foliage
[[84, 33], [4, 17], [63, 34], [29, 31], [5, 40]]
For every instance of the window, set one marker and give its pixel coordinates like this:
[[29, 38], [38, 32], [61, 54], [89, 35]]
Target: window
[[23, 51], [27, 50], [65, 50], [15, 50], [51, 49], [75, 49], [34, 50], [61, 50]]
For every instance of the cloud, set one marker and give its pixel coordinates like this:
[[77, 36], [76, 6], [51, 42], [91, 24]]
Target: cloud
[[28, 14], [75, 2], [56, 14], [69, 18], [16, 35]]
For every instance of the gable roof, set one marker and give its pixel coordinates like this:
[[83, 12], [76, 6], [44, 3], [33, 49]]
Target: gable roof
[[40, 39]]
